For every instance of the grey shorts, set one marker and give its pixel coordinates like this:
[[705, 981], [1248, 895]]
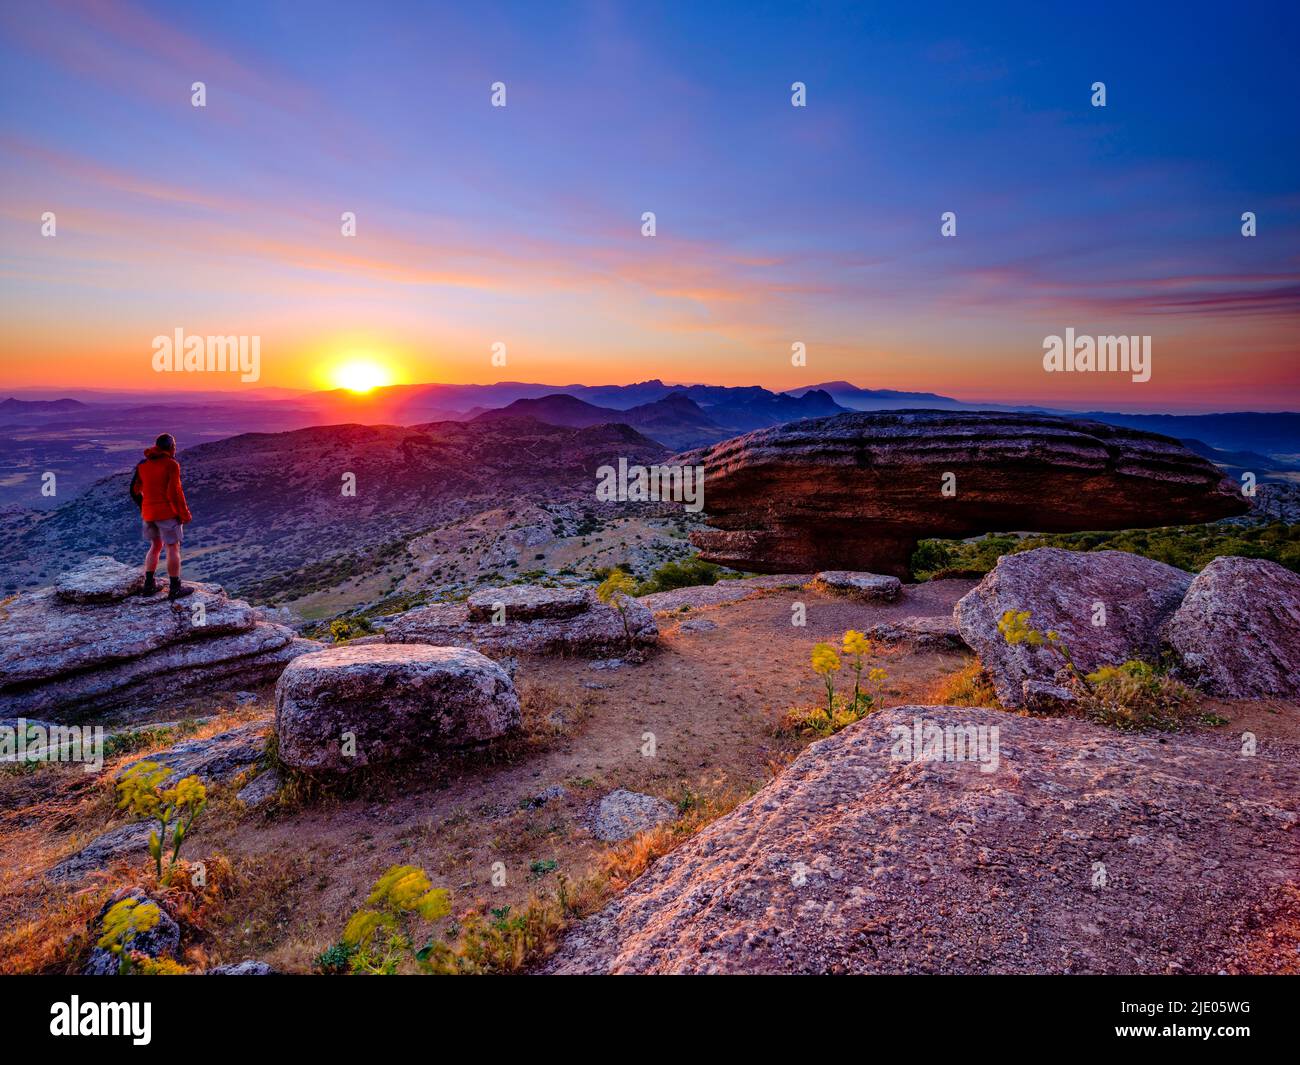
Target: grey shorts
[[169, 531]]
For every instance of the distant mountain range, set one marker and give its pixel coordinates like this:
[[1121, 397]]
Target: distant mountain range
[[267, 504], [82, 440], [685, 418], [675, 421], [39, 406]]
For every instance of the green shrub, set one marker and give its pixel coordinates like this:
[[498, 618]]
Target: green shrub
[[1137, 696], [1189, 547], [688, 574]]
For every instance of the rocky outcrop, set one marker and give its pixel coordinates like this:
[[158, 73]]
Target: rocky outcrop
[[160, 941], [537, 621], [347, 707], [91, 643], [99, 579], [1108, 607], [1086, 850], [869, 587], [1237, 632], [725, 591], [214, 760], [128, 839], [622, 814], [858, 491], [920, 633], [527, 602]]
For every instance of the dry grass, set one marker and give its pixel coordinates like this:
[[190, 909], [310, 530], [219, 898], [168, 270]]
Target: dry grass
[[59, 933], [632, 858], [969, 686]]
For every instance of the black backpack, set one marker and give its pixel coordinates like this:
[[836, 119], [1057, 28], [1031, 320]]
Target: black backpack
[[136, 497]]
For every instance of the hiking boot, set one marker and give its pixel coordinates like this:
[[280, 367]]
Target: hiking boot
[[173, 587], [150, 585]]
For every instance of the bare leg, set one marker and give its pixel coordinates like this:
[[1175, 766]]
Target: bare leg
[[173, 560], [151, 556]]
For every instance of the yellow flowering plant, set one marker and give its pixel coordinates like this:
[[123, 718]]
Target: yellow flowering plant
[[857, 644], [1015, 629], [826, 663], [142, 791], [381, 933], [615, 591], [124, 921]]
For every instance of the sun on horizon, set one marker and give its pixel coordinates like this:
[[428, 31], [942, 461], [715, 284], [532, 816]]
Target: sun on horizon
[[361, 375]]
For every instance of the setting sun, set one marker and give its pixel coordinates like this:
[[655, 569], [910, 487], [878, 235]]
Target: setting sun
[[362, 376]]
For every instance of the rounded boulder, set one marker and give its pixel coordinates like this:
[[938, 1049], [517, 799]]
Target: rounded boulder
[[346, 707]]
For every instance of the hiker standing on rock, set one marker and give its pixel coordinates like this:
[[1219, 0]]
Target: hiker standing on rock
[[156, 489]]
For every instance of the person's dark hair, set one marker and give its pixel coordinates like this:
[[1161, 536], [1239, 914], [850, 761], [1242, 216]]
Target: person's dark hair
[[166, 442]]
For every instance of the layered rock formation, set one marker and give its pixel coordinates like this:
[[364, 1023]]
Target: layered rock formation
[[214, 760], [535, 621], [347, 707], [1237, 631], [869, 587], [1108, 607], [1085, 851], [91, 643], [920, 633], [858, 491]]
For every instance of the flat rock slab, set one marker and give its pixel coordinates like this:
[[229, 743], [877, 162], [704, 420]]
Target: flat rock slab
[[242, 968], [869, 587], [920, 633], [214, 760], [45, 637], [596, 632], [1065, 591], [1237, 631], [527, 602], [167, 674], [395, 701], [1086, 850], [126, 839], [99, 579], [724, 591], [261, 789], [622, 814], [88, 644], [859, 491]]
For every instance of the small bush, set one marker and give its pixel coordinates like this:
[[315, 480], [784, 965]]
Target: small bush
[[1137, 696], [839, 711], [381, 934], [687, 574], [350, 628], [615, 590]]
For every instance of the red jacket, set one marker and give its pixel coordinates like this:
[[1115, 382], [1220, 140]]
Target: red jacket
[[158, 481]]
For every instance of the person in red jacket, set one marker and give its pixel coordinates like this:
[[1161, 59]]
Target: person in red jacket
[[156, 488]]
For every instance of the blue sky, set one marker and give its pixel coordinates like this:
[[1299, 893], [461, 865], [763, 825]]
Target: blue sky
[[775, 224]]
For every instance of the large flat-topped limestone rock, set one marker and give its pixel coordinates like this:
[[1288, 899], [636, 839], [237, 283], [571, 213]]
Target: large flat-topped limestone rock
[[92, 643], [858, 491]]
